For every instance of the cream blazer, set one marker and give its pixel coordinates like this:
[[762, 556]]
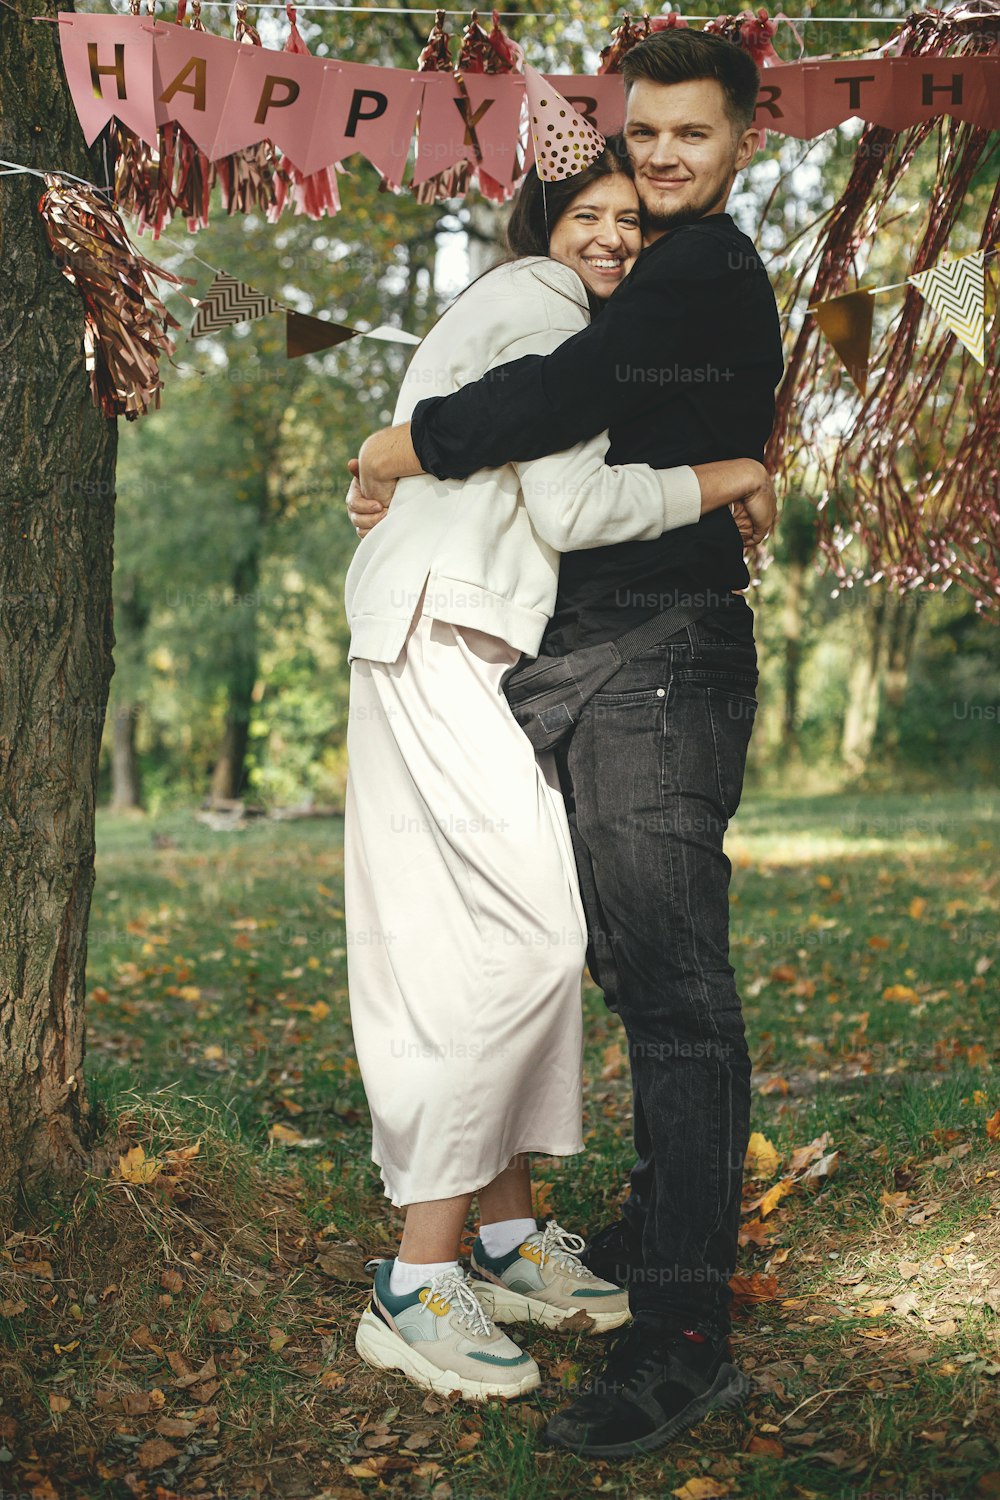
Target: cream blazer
[[487, 547]]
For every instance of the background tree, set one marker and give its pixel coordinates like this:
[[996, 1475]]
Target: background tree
[[57, 486]]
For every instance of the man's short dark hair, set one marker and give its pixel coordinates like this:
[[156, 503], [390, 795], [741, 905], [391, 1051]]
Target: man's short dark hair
[[682, 55]]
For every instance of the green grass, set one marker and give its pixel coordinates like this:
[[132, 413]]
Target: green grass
[[864, 939]]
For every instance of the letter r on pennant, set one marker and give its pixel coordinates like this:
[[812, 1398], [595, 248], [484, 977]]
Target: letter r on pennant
[[767, 99]]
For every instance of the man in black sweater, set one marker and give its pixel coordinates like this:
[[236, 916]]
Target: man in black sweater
[[681, 365]]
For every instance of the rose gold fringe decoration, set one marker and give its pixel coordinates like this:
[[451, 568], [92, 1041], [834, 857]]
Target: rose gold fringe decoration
[[125, 323], [495, 53], [479, 53], [912, 491], [436, 58], [624, 37]]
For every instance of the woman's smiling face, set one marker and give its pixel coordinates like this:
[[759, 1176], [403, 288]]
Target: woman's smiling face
[[598, 235]]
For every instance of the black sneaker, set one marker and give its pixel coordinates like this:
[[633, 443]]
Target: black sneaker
[[614, 1253], [655, 1385]]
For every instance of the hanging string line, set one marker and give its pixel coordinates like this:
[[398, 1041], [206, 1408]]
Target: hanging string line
[[13, 167], [505, 15]]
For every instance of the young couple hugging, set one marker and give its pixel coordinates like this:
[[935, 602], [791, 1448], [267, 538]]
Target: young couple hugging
[[577, 445]]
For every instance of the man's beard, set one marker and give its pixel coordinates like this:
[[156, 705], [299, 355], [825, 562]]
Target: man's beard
[[659, 220]]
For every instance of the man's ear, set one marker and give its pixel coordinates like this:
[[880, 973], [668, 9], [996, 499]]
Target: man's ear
[[748, 143]]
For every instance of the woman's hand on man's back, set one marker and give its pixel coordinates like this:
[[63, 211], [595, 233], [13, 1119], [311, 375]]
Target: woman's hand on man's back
[[363, 511]]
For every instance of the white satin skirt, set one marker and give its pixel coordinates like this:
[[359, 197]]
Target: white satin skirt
[[465, 930]]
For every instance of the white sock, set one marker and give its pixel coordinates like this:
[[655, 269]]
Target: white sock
[[500, 1238], [406, 1276]]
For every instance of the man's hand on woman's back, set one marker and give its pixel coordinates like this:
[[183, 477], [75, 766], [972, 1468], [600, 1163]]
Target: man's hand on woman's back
[[756, 513]]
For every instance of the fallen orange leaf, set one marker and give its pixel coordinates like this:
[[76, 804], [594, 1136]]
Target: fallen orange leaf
[[756, 1287]]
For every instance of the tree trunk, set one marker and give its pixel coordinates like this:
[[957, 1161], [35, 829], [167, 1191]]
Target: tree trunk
[[229, 775], [902, 644], [131, 618], [864, 691], [881, 673], [57, 472], [126, 787], [793, 624]]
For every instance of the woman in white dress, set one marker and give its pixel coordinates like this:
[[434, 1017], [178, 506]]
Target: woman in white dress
[[465, 932]]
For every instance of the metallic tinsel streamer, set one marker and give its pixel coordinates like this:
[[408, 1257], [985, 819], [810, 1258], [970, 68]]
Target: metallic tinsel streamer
[[125, 323], [911, 491]]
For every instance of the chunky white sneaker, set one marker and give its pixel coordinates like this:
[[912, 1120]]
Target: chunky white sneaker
[[544, 1281], [441, 1338]]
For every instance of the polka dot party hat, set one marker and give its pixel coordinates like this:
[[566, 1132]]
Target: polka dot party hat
[[564, 143]]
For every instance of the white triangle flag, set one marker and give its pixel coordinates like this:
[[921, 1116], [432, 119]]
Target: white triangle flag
[[956, 289]]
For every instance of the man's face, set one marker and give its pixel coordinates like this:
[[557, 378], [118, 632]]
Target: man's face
[[685, 150]]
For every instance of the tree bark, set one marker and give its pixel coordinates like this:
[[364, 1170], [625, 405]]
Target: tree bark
[[57, 476]]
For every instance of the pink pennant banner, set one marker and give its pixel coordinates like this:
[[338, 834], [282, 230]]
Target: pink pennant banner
[[367, 109], [228, 95], [476, 121], [109, 69], [781, 101], [600, 101], [272, 96], [897, 92], [192, 72]]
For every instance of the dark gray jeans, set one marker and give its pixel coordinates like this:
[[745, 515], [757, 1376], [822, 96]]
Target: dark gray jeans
[[652, 775]]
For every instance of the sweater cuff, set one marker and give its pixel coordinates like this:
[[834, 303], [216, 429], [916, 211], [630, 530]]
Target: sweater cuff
[[681, 497], [427, 451]]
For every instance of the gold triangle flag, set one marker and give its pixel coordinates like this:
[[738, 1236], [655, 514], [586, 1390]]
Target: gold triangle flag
[[956, 289], [847, 323], [306, 335]]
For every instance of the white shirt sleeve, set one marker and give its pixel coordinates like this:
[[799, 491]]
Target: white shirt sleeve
[[575, 500]]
